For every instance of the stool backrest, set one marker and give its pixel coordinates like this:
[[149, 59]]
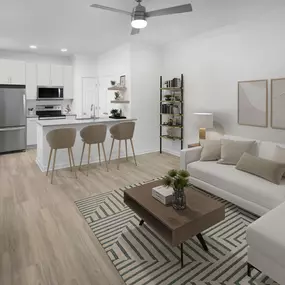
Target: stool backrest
[[94, 134], [123, 131], [61, 138]]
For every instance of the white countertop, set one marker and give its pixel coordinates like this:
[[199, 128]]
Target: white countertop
[[53, 123]]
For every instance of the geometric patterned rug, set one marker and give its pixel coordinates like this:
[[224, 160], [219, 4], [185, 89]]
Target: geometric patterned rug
[[142, 258]]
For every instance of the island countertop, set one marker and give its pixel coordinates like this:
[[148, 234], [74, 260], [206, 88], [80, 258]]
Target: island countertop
[[54, 123]]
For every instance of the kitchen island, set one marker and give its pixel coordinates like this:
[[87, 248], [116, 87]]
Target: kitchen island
[[62, 160]]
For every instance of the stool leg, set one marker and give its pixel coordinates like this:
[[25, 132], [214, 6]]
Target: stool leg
[[99, 152], [111, 151], [126, 144], [133, 152], [72, 157], [105, 156], [89, 153], [50, 155], [69, 156], [82, 155], [119, 155], [54, 159]]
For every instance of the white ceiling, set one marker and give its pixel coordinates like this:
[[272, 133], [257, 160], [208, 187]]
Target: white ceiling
[[71, 24]]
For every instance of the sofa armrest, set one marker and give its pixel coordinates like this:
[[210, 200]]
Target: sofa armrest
[[189, 155]]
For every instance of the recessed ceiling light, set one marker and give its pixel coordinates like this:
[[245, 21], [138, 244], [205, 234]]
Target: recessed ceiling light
[[33, 47], [64, 50]]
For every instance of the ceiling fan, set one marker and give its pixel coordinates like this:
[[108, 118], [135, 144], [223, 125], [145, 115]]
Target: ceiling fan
[[139, 14]]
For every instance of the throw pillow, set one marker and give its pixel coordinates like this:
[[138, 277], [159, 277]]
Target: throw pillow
[[264, 168], [279, 155], [211, 150], [231, 151]]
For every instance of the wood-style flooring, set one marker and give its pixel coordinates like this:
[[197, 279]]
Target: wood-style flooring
[[43, 238]]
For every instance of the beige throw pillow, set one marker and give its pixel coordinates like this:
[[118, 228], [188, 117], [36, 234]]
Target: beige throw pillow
[[266, 169], [211, 150], [231, 151], [279, 155]]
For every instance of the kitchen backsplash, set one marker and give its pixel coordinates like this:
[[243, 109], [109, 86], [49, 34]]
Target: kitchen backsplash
[[63, 103]]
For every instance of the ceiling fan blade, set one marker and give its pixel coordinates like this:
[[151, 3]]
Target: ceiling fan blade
[[111, 9], [135, 31], [169, 11]]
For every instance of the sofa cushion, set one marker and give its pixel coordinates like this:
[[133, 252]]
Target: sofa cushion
[[241, 184], [264, 168], [267, 235], [211, 150], [231, 151]]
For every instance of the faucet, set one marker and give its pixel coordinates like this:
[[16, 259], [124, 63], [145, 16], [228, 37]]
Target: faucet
[[93, 112]]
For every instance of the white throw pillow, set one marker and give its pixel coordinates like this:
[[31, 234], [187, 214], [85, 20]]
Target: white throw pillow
[[231, 151], [211, 150], [279, 155]]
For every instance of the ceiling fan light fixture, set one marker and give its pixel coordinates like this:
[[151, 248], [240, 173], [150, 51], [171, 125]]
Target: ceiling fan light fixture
[[139, 23]]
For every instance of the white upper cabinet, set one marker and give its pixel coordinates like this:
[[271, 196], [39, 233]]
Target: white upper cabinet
[[12, 72], [56, 75], [31, 81], [68, 82], [43, 74], [50, 75]]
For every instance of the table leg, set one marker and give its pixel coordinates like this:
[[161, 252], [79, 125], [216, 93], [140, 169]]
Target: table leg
[[181, 255], [141, 222], [202, 241]]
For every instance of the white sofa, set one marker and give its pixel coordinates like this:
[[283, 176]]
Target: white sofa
[[266, 236]]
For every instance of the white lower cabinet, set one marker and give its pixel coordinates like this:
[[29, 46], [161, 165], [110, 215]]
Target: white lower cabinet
[[31, 131]]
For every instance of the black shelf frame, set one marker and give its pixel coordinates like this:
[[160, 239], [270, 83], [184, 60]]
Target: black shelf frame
[[181, 102]]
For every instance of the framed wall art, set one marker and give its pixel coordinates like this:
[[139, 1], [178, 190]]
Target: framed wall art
[[123, 80], [278, 103], [253, 103]]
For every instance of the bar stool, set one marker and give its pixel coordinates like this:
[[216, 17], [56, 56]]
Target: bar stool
[[123, 131], [61, 139], [90, 135]]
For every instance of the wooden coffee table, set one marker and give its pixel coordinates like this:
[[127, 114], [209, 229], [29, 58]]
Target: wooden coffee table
[[175, 227]]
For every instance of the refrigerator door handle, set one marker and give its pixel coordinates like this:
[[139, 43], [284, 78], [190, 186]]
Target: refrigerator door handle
[[12, 129], [24, 104]]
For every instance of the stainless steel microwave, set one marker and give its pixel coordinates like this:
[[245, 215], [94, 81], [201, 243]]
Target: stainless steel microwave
[[50, 93]]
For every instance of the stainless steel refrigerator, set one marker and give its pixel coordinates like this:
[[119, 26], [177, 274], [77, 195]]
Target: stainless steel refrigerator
[[12, 118]]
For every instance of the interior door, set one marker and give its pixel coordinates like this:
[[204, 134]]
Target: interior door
[[90, 96], [105, 96], [12, 107]]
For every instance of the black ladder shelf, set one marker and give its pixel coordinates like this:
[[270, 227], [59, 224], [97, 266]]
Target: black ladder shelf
[[175, 121]]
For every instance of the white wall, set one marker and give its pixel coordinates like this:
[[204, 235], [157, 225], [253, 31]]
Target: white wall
[[146, 68], [213, 63], [34, 57]]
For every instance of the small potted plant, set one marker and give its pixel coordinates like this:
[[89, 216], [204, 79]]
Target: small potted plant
[[178, 180], [117, 95], [115, 113]]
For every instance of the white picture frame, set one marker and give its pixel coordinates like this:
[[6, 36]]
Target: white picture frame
[[278, 103], [123, 80], [253, 103]]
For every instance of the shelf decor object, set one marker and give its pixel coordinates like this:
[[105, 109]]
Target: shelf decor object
[[123, 80], [253, 103], [172, 110], [278, 103], [204, 121]]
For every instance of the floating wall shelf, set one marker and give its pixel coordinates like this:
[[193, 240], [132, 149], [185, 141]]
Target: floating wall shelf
[[120, 102], [117, 88]]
